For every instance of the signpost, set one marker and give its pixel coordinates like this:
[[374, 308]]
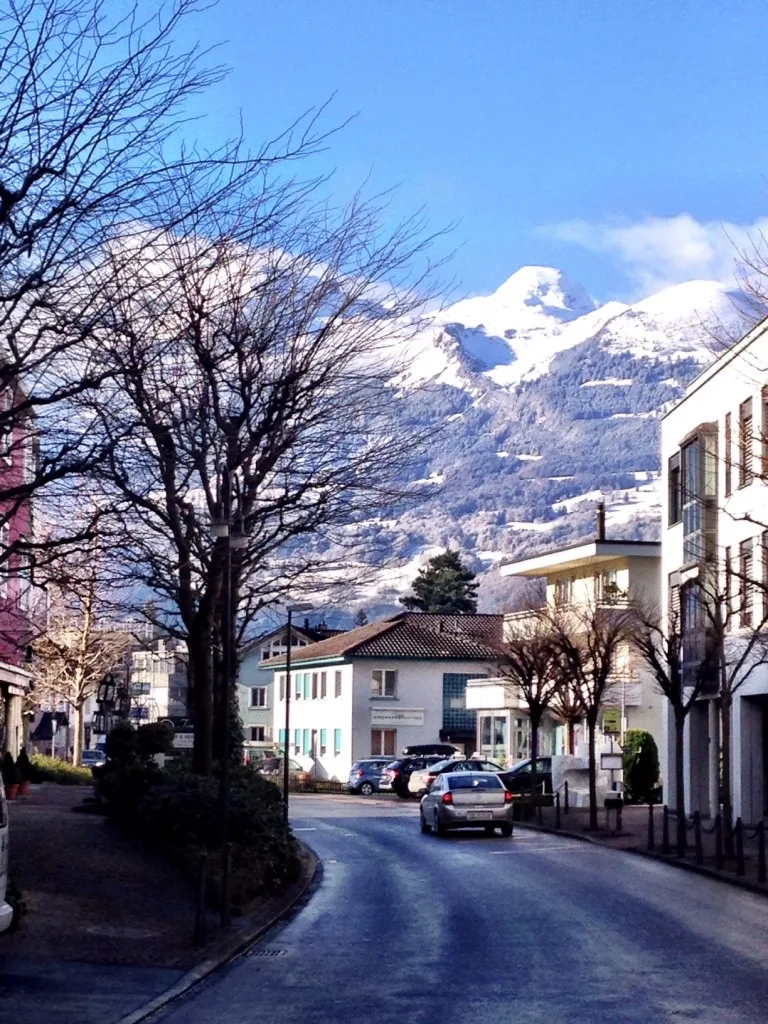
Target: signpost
[[611, 721]]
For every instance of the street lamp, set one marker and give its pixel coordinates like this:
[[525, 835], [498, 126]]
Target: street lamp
[[228, 488], [290, 609]]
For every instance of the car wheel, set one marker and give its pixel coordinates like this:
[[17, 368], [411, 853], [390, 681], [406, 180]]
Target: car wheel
[[490, 829], [506, 829], [426, 828], [440, 830], [404, 795], [366, 789]]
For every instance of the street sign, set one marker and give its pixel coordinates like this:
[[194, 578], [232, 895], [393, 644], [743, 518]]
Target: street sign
[[183, 740], [612, 762], [612, 720]]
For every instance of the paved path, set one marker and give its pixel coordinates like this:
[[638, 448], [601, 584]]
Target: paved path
[[538, 929]]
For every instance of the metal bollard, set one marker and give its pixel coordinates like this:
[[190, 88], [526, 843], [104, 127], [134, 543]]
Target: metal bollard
[[618, 818], [665, 829], [557, 810], [739, 830], [200, 930], [651, 836], [697, 837], [565, 791], [719, 859], [761, 851]]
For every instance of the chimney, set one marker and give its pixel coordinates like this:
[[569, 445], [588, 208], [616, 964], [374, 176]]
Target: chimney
[[306, 622], [600, 521]]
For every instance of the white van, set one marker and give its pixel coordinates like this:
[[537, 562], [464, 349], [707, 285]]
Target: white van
[[6, 911]]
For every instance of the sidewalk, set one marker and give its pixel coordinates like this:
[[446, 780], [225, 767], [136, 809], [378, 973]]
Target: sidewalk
[[109, 922], [634, 837]]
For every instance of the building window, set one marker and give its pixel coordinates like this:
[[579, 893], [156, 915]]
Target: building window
[[297, 741], [258, 696], [323, 684], [746, 583], [383, 682], [307, 743], [674, 489], [282, 739], [25, 582], [728, 588], [323, 742], [746, 470], [5, 543], [727, 441], [764, 567], [336, 742], [307, 686], [699, 467], [282, 687], [337, 684], [764, 431], [607, 587], [564, 592], [297, 685], [383, 741], [258, 733], [314, 685]]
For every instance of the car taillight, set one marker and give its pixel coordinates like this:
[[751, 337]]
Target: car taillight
[[431, 779], [447, 798], [360, 773], [394, 773], [508, 797]]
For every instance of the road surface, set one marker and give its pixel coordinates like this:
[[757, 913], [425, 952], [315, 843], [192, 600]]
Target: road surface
[[537, 929]]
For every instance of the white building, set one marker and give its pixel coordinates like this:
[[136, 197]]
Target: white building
[[384, 686], [589, 574], [715, 518], [158, 681]]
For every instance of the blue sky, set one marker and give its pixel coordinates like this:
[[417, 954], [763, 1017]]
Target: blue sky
[[626, 141]]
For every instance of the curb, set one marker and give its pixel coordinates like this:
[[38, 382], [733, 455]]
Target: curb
[[661, 858], [311, 874]]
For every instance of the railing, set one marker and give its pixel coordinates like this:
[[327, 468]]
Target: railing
[[728, 843]]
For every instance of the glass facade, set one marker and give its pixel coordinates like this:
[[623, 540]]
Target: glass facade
[[456, 717]]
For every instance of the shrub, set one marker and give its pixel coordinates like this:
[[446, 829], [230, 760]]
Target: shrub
[[24, 767], [641, 765], [10, 773], [53, 769]]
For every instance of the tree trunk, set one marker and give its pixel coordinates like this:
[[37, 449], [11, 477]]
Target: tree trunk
[[77, 728], [591, 726], [570, 736], [679, 779], [535, 721], [726, 706]]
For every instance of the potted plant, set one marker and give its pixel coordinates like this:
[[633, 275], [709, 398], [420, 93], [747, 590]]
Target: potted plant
[[11, 777], [24, 768]]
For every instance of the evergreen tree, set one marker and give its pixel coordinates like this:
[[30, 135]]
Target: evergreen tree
[[444, 585]]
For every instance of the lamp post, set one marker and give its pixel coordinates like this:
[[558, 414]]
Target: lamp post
[[228, 487], [290, 609]]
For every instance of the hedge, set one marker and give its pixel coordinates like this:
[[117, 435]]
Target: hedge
[[52, 769]]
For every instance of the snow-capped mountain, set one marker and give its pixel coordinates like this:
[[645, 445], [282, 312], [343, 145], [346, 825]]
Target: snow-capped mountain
[[547, 402]]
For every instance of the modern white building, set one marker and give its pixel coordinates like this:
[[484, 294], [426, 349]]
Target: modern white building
[[588, 574], [382, 687], [158, 680], [715, 457]]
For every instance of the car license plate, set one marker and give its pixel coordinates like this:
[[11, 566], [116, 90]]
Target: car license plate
[[477, 815]]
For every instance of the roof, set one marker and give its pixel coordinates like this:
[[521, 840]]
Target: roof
[[311, 633], [418, 635], [582, 553]]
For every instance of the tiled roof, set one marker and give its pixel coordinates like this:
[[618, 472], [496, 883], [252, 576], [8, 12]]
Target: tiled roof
[[409, 635]]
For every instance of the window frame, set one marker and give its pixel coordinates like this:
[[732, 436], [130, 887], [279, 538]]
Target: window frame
[[727, 460], [337, 742], [675, 489], [337, 683], [746, 444], [262, 690], [381, 743], [383, 693]]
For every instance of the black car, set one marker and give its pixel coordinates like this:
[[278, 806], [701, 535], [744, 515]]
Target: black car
[[397, 773], [518, 778], [418, 749]]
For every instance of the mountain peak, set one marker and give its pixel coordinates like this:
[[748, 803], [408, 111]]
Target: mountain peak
[[548, 289]]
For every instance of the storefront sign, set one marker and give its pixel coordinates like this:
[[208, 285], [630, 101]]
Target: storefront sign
[[183, 741], [611, 720], [397, 716]]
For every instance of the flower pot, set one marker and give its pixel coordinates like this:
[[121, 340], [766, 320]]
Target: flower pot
[[24, 788], [12, 791]]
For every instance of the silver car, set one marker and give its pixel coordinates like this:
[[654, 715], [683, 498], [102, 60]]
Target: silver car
[[467, 800]]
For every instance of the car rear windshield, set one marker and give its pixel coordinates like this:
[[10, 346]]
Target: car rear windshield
[[470, 781]]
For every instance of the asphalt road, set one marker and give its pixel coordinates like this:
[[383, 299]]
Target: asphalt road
[[411, 929]]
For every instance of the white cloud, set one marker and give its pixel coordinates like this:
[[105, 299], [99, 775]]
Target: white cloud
[[657, 252]]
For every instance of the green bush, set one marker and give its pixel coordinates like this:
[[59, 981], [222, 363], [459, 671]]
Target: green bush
[[641, 765], [53, 769]]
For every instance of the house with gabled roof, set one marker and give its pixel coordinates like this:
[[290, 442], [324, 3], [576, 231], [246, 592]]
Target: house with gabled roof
[[384, 686]]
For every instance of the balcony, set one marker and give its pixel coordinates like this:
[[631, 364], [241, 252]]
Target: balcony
[[491, 694]]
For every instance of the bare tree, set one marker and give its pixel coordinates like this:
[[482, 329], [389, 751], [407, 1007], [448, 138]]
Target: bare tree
[[76, 642], [528, 659], [589, 639], [267, 347]]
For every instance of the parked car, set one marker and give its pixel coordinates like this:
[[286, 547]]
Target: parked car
[[518, 778], [365, 775], [467, 800], [420, 781], [397, 773], [273, 768], [92, 758], [6, 910], [444, 749]]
